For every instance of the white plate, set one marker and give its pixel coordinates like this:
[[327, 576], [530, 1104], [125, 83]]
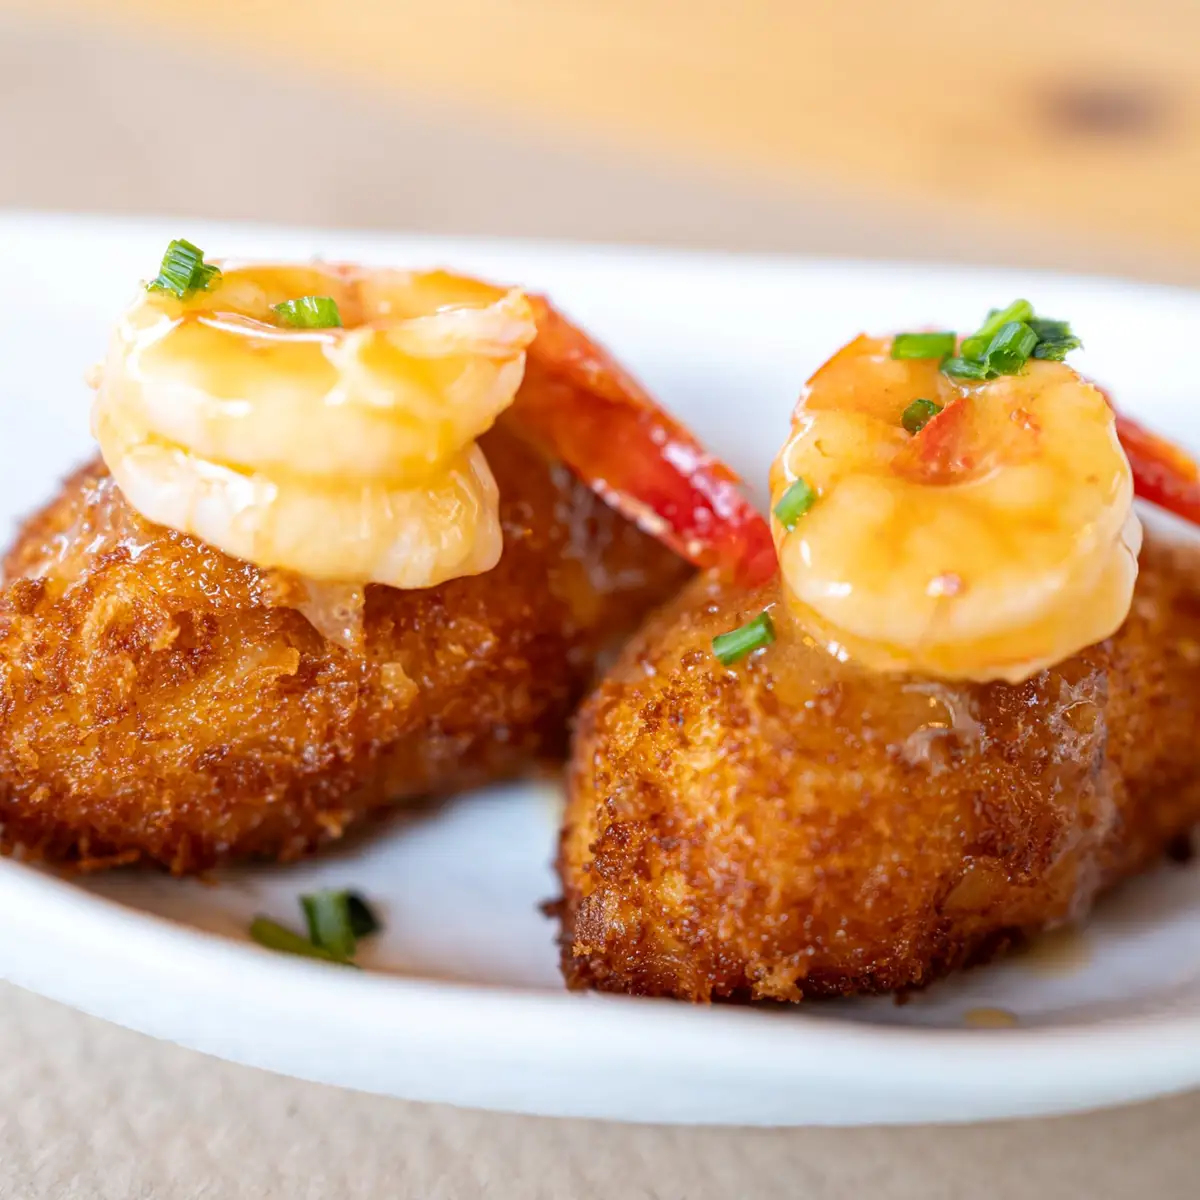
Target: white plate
[[463, 1001]]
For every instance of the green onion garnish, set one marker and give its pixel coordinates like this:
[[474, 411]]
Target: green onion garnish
[[1055, 339], [737, 643], [1007, 340], [277, 937], [1056, 351], [329, 924], [977, 344], [1010, 349], [363, 919], [918, 414], [310, 312], [1048, 329], [183, 271], [965, 368], [794, 503], [922, 345]]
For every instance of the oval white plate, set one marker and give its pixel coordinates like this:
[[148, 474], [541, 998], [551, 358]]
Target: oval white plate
[[462, 1000]]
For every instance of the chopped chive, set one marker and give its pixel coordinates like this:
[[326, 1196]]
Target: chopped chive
[[737, 643], [329, 925], [918, 414], [1048, 329], [1010, 349], [1055, 338], [1006, 341], [794, 503], [277, 937], [922, 345], [977, 344], [363, 918], [1056, 351], [965, 368], [310, 312], [183, 271], [974, 347]]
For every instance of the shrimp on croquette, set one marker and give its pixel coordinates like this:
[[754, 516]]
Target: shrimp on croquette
[[951, 719], [341, 549]]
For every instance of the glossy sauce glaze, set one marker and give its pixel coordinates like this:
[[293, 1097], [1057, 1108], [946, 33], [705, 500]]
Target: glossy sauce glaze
[[929, 728], [925, 722], [996, 540], [990, 1018], [1056, 952], [341, 454]]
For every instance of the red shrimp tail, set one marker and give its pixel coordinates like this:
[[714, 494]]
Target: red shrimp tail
[[1163, 474], [593, 415]]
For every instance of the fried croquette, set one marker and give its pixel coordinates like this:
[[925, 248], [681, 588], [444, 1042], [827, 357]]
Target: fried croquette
[[158, 703], [793, 826]]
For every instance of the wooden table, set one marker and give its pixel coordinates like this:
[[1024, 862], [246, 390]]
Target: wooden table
[[1079, 118]]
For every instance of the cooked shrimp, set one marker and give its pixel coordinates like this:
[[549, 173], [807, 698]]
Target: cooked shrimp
[[343, 452], [406, 537], [996, 540]]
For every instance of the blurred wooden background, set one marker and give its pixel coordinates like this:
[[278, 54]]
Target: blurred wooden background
[[1071, 122]]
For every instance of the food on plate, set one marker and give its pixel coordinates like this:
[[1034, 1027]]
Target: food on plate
[[998, 539], [793, 825], [335, 438], [163, 700], [275, 605], [952, 719]]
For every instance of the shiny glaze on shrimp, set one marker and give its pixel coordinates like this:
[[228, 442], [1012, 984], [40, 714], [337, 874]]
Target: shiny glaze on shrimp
[[996, 541], [338, 454]]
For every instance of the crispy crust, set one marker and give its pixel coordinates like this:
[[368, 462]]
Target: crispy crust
[[791, 827], [156, 703]]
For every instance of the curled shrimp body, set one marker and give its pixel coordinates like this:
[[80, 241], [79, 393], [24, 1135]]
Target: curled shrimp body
[[998, 539], [344, 453]]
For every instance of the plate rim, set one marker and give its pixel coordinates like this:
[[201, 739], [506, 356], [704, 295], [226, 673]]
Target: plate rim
[[772, 1044], [1161, 1049]]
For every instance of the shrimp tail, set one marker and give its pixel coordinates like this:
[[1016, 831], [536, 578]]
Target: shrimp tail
[[608, 430], [1163, 474]]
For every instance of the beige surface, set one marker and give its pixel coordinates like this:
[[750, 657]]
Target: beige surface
[[93, 119], [90, 1111], [1064, 115]]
